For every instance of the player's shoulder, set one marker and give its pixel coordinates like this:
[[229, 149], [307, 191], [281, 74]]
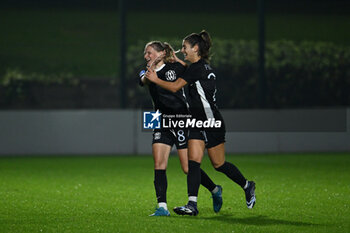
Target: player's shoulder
[[198, 66], [204, 65], [204, 68], [174, 65], [177, 67]]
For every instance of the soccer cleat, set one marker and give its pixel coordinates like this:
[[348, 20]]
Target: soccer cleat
[[217, 199], [186, 210], [161, 212], [250, 194]]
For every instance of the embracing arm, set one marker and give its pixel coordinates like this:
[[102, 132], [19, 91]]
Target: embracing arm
[[170, 86], [176, 59], [144, 80]]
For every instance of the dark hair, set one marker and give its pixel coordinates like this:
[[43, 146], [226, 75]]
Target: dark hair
[[160, 46], [203, 41]]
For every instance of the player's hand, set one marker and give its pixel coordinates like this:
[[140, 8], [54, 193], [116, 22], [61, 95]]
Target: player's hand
[[175, 58], [157, 60], [151, 74]]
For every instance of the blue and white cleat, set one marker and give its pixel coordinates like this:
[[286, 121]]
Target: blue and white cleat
[[250, 194], [161, 212], [217, 199], [186, 210]]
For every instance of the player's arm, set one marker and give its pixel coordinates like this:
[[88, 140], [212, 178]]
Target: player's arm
[[143, 80], [170, 86], [179, 60]]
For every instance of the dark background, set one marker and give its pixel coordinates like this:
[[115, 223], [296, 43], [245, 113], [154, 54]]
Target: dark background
[[286, 6], [66, 54]]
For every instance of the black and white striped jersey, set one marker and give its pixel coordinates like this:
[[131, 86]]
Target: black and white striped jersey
[[164, 100], [202, 91]]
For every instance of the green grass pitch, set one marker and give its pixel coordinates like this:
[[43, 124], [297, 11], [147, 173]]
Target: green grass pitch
[[295, 193]]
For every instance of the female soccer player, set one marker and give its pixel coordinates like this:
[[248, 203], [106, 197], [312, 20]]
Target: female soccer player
[[161, 57], [202, 90]]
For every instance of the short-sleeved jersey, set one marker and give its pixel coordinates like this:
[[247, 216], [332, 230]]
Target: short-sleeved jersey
[[201, 80], [164, 100]]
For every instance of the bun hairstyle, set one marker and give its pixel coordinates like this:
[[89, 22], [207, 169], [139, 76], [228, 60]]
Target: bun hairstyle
[[203, 41], [166, 47]]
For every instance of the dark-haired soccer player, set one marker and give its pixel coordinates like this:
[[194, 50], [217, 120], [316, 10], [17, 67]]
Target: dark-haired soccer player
[[161, 57], [202, 90]]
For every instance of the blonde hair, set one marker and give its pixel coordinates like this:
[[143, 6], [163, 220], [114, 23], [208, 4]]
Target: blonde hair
[[166, 47]]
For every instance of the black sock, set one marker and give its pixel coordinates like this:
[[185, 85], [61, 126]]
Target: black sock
[[193, 178], [160, 184], [206, 181], [232, 172], [192, 203]]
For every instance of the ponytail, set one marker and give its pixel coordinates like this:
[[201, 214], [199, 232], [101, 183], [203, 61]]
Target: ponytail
[[203, 41], [169, 53], [206, 38]]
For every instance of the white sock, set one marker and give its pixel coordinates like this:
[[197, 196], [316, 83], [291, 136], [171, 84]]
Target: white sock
[[246, 185], [163, 204], [192, 198], [215, 190]]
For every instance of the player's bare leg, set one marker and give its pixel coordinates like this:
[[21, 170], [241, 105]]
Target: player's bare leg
[[183, 157]]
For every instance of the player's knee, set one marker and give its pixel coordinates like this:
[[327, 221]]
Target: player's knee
[[160, 165]]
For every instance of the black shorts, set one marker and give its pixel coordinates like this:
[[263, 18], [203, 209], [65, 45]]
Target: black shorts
[[179, 137], [211, 138]]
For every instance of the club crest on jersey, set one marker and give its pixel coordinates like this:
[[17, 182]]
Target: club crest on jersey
[[151, 120], [170, 75], [157, 135]]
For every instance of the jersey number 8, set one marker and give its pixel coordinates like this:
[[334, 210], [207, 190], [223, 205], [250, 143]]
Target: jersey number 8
[[181, 136]]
